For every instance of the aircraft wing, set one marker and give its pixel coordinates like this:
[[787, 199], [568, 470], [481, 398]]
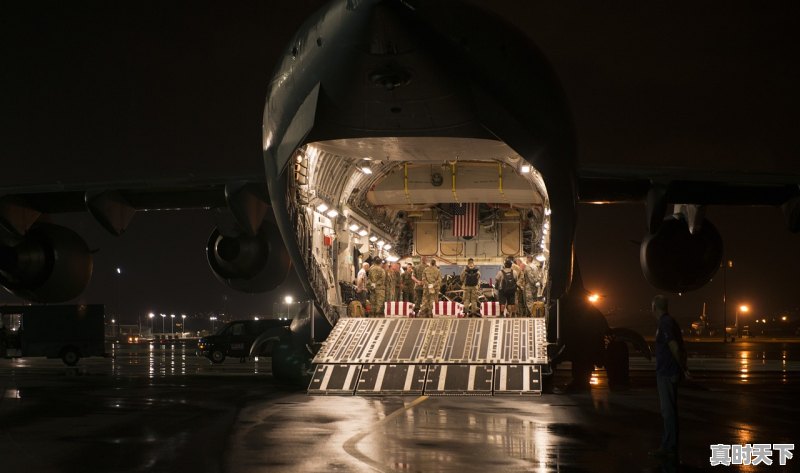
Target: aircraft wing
[[681, 186], [113, 203], [44, 262]]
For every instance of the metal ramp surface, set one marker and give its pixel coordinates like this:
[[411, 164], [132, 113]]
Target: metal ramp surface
[[432, 356]]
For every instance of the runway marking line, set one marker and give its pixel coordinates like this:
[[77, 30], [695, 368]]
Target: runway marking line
[[351, 445]]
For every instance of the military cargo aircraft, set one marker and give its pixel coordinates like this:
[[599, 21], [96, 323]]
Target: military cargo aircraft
[[385, 121]]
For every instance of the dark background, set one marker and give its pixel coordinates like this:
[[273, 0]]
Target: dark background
[[103, 92]]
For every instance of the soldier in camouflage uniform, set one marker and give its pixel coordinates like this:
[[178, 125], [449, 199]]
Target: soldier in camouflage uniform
[[407, 284], [530, 277], [431, 285], [519, 267], [470, 280], [391, 283], [417, 275], [377, 288]]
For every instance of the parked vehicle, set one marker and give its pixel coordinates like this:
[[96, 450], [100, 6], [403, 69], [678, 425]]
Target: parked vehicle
[[69, 332], [236, 338]]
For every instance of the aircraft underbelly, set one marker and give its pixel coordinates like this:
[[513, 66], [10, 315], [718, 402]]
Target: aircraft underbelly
[[434, 356]]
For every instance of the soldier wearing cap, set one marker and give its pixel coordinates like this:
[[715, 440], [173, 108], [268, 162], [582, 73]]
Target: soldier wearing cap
[[391, 282], [432, 283], [377, 287], [419, 268], [470, 280]]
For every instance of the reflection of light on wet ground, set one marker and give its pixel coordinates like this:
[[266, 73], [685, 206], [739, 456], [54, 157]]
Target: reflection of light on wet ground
[[745, 355]]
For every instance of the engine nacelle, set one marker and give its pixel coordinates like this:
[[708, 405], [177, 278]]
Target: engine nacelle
[[675, 260], [249, 263], [50, 263]]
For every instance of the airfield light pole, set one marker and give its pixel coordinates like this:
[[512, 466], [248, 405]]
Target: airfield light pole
[[288, 300], [213, 320], [725, 265], [183, 322], [172, 323], [163, 316], [150, 316], [743, 309]]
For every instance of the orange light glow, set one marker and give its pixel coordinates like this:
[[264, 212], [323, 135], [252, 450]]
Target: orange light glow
[[594, 298]]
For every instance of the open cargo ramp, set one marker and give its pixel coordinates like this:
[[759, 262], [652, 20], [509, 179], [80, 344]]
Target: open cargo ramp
[[438, 356]]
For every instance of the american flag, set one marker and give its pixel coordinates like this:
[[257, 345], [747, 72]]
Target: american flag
[[465, 219]]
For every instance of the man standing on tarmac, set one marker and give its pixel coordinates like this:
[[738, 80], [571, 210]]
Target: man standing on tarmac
[[670, 368], [470, 280], [431, 285], [418, 270], [377, 288]]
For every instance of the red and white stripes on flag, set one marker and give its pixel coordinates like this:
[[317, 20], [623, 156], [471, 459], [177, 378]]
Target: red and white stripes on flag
[[448, 309], [398, 309], [465, 220], [490, 309]]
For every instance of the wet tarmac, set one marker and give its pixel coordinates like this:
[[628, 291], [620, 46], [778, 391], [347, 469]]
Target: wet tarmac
[[163, 409]]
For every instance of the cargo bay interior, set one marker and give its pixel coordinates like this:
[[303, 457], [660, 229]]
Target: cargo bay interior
[[393, 198]]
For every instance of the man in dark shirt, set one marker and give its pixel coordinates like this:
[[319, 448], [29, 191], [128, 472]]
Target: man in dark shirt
[[670, 368]]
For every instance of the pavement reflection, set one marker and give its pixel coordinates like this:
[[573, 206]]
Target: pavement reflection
[[160, 408]]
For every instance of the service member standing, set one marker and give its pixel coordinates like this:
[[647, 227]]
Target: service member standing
[[670, 368], [391, 283], [418, 270], [431, 284], [506, 285], [530, 277], [519, 269], [407, 284], [377, 288], [470, 280]]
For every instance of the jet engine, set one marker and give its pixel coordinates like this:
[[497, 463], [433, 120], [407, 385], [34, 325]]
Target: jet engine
[[50, 263], [249, 263], [676, 260]]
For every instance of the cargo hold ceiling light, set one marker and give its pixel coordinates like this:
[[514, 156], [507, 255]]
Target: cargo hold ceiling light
[[332, 213], [362, 232], [387, 247], [373, 238], [540, 258], [354, 227], [525, 169], [322, 207], [380, 243]]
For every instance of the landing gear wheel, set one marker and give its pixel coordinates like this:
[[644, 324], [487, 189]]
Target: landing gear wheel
[[291, 365], [617, 367], [70, 357], [217, 356]]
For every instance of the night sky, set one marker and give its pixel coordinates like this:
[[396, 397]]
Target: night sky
[[132, 92]]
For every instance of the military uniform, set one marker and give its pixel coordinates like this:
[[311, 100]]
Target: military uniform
[[530, 277], [407, 286], [470, 298], [518, 271], [391, 284], [418, 270], [431, 284], [377, 289]]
